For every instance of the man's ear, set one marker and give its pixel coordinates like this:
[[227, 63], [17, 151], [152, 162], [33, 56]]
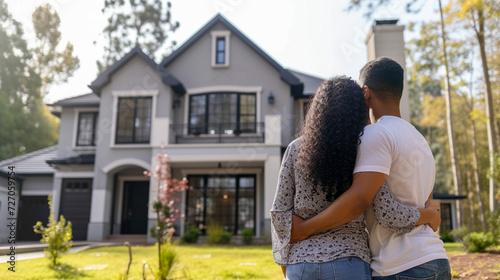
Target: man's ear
[[367, 92]]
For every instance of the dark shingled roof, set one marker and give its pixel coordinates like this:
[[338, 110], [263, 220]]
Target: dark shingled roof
[[447, 196], [311, 83], [296, 85], [105, 77], [85, 100], [79, 159]]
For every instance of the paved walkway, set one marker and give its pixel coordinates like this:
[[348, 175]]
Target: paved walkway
[[34, 250]]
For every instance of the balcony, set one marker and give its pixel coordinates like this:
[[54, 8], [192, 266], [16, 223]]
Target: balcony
[[217, 133]]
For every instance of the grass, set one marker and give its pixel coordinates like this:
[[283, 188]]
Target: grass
[[197, 262]]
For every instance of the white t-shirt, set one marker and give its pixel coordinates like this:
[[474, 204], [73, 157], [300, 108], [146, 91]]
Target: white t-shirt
[[394, 147]]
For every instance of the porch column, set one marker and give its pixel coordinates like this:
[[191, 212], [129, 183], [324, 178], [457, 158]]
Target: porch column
[[100, 211]]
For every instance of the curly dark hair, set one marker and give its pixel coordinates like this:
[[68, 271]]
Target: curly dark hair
[[330, 136], [385, 77]]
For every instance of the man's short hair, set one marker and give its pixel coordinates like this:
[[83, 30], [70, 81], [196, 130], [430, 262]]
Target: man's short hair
[[385, 78]]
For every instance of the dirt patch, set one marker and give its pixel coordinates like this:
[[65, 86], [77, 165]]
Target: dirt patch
[[476, 266]]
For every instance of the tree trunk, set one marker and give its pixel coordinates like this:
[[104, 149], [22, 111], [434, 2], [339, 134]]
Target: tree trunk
[[490, 115], [470, 196], [449, 125], [476, 176]]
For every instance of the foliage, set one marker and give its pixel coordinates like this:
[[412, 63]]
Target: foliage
[[247, 235], [217, 235], [446, 237], [191, 234], [459, 233], [166, 213], [168, 259], [144, 23], [53, 66], [57, 234], [479, 242]]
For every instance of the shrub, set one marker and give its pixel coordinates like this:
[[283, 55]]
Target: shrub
[[217, 235], [446, 237], [459, 233], [478, 242], [247, 235], [191, 235], [168, 259], [57, 234]]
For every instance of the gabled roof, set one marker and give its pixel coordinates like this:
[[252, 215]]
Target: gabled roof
[[85, 100], [78, 159], [311, 83], [31, 163], [105, 77], [285, 75]]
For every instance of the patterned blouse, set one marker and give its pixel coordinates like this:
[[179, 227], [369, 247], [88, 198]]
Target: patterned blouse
[[294, 196]]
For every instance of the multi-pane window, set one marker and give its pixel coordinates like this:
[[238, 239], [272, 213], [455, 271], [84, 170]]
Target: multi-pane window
[[446, 225], [133, 120], [86, 132], [228, 201], [220, 50], [222, 113]]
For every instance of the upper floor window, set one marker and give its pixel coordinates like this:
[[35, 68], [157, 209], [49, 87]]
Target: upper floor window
[[86, 132], [220, 48], [133, 120], [220, 52], [222, 113]]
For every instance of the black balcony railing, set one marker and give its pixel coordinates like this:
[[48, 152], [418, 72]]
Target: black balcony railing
[[217, 133]]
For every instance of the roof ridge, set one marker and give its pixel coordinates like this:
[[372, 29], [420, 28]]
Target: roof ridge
[[28, 155], [304, 73]]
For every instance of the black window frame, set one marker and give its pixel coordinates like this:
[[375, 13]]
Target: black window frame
[[94, 127], [237, 126], [134, 141], [220, 51], [237, 190]]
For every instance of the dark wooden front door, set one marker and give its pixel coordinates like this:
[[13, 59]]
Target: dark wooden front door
[[76, 197], [135, 207], [31, 210]]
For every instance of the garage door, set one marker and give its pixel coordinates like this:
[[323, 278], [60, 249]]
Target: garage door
[[31, 210], [75, 205]]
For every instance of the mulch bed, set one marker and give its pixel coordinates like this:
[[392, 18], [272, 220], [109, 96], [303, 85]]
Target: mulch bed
[[477, 266]]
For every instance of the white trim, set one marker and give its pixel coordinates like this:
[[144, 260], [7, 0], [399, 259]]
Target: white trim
[[218, 34], [132, 93], [77, 112], [119, 198], [37, 192], [125, 161], [217, 158], [223, 88], [86, 174]]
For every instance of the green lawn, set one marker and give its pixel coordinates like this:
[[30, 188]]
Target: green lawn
[[198, 262]]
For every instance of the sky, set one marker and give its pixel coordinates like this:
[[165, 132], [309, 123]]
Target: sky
[[318, 37]]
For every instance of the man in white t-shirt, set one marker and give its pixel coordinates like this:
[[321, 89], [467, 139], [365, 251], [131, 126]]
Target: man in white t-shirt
[[391, 151]]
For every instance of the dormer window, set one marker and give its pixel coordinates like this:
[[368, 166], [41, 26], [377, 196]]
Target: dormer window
[[220, 48]]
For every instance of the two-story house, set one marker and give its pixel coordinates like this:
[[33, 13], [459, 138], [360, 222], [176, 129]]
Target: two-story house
[[223, 109]]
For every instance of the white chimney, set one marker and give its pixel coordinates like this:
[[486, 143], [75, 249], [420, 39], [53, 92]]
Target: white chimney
[[386, 39]]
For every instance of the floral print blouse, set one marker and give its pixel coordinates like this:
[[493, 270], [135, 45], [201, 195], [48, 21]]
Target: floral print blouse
[[294, 196]]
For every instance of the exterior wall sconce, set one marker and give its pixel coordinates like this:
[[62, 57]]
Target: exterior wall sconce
[[177, 103], [270, 98]]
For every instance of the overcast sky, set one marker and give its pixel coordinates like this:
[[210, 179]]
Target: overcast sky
[[318, 37]]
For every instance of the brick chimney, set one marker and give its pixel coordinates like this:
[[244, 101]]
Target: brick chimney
[[386, 39]]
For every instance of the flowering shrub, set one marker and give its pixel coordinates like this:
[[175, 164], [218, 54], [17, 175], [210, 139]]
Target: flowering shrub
[[166, 213]]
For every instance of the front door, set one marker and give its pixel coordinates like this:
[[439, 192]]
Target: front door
[[135, 207]]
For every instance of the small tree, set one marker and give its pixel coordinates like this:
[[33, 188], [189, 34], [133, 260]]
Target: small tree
[[57, 234], [166, 213]]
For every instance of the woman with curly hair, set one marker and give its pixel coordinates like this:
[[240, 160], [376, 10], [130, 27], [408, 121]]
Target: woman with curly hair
[[316, 169]]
